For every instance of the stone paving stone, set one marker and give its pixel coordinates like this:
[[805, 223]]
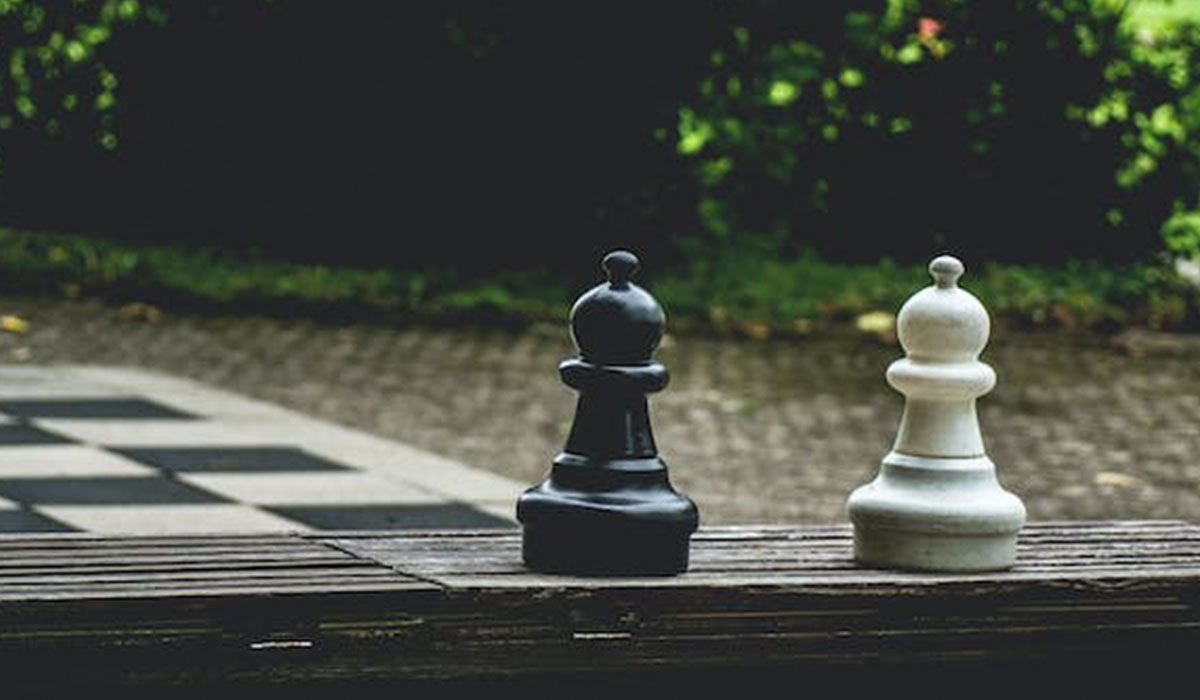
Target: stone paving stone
[[96, 491], [309, 488], [90, 408], [19, 434], [42, 461], [368, 517], [27, 521], [328, 472], [169, 519], [229, 459], [754, 431]]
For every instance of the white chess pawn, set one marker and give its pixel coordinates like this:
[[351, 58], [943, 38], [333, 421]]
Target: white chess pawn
[[936, 504]]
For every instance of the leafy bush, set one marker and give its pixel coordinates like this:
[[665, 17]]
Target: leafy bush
[[51, 52], [748, 291], [1018, 130]]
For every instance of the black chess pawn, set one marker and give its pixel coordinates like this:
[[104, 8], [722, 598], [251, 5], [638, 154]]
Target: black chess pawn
[[607, 506]]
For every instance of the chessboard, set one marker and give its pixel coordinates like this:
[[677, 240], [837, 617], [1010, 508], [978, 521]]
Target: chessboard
[[113, 450]]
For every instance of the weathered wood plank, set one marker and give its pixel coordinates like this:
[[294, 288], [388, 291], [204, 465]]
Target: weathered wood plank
[[220, 576], [239, 589], [247, 558], [91, 568], [69, 540], [216, 567], [785, 556], [459, 605]]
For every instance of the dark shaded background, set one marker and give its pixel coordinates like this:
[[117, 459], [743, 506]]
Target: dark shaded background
[[501, 135], [383, 131]]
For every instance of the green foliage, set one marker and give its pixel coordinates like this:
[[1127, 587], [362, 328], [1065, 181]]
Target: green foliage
[[744, 290], [1020, 129], [1158, 16], [76, 265], [52, 72], [1182, 234], [752, 292]]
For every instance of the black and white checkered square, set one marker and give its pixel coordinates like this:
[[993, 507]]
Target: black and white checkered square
[[131, 463]]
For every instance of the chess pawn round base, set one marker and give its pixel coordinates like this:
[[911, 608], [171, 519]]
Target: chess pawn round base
[[936, 514], [604, 551], [617, 517]]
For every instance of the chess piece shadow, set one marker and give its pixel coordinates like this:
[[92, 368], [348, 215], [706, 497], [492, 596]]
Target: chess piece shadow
[[607, 506]]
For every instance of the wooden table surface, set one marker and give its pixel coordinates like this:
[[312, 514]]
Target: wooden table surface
[[459, 605]]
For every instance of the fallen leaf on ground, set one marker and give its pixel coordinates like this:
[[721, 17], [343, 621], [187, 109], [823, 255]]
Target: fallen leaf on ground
[[139, 311], [875, 322], [880, 324], [803, 325], [14, 324], [1117, 479], [757, 331]]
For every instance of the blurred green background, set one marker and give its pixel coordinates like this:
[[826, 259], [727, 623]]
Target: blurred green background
[[780, 167]]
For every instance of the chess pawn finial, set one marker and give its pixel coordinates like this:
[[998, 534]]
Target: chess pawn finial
[[607, 506], [936, 503]]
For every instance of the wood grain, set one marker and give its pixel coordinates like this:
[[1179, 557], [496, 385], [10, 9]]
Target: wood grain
[[341, 607]]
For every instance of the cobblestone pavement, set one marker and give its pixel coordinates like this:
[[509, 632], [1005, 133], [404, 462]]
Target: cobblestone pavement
[[1081, 426]]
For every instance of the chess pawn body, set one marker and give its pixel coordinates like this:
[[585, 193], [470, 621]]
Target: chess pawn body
[[607, 506], [936, 504]]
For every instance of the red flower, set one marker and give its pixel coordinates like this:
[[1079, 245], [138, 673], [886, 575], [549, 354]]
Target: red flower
[[928, 28]]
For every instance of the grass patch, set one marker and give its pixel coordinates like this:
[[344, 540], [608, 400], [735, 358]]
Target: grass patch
[[75, 266], [742, 292], [758, 295]]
